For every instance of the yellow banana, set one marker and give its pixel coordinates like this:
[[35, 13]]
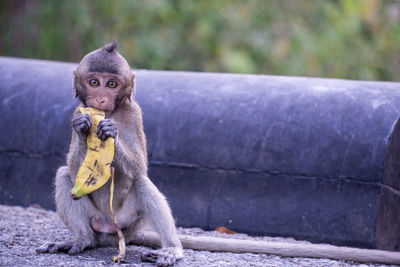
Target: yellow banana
[[96, 167]]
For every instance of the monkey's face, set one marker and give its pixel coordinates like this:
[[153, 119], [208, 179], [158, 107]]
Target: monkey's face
[[103, 90], [104, 79]]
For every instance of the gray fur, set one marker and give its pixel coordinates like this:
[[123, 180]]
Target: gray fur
[[137, 202]]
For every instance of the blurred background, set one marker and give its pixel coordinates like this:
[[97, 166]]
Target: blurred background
[[353, 39]]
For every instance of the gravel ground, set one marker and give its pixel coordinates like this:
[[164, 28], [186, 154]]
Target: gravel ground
[[25, 229]]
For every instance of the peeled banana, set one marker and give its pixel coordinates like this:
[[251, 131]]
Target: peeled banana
[[95, 170]]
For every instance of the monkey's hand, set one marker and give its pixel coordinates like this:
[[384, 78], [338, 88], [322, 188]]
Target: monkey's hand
[[105, 129], [82, 123]]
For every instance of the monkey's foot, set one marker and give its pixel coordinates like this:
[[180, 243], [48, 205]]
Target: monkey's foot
[[163, 257], [71, 247]]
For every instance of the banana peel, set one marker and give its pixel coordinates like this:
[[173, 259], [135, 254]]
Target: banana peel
[[95, 170], [121, 239]]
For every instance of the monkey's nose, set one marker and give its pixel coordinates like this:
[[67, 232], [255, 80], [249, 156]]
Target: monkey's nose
[[101, 101]]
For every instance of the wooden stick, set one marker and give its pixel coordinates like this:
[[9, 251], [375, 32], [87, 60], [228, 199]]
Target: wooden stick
[[218, 244]]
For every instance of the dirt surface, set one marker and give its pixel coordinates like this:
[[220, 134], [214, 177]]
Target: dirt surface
[[25, 229]]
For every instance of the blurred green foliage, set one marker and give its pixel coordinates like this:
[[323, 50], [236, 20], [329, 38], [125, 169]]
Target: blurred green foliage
[[353, 39]]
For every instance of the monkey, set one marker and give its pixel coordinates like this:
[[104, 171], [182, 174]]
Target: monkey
[[104, 80]]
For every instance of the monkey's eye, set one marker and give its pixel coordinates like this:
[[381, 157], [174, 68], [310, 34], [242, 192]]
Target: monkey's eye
[[112, 84], [94, 82]]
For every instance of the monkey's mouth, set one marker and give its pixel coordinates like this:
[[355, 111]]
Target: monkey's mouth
[[104, 107]]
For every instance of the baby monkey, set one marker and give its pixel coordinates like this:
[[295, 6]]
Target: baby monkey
[[104, 80]]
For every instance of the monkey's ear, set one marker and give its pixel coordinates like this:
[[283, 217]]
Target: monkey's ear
[[133, 88], [74, 85]]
